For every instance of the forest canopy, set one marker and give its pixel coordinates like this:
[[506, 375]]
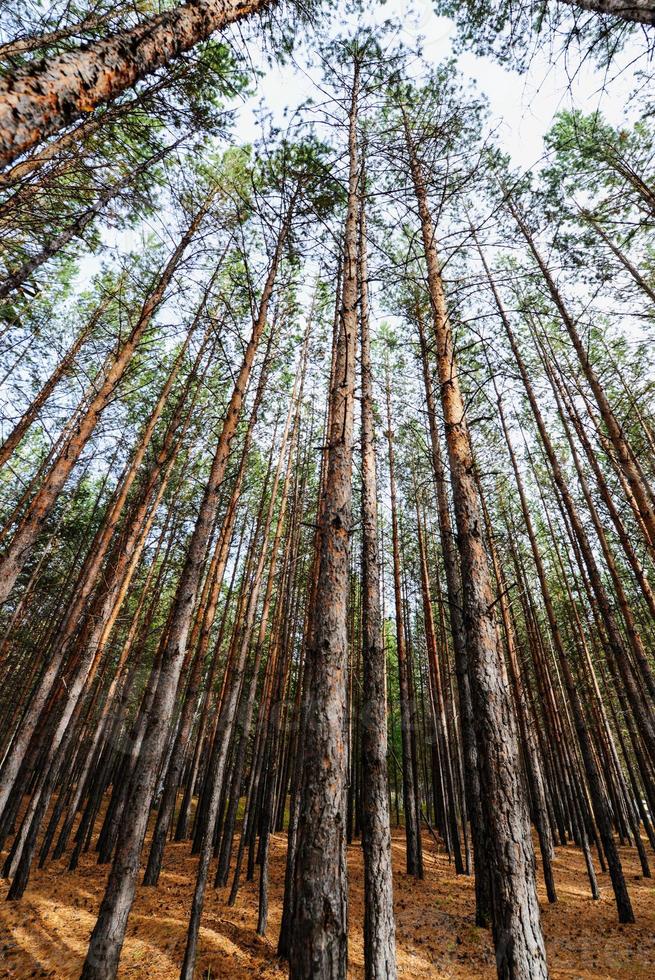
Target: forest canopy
[[327, 489]]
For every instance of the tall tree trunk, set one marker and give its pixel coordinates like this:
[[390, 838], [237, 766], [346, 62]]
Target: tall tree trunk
[[64, 366], [599, 802], [44, 97], [624, 454], [635, 11], [520, 950], [414, 855], [379, 923], [108, 935], [27, 531], [200, 641], [526, 721], [224, 736], [440, 720], [454, 590], [88, 578], [319, 928], [76, 228]]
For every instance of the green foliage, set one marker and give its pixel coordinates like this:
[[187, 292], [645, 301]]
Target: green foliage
[[512, 32], [588, 155]]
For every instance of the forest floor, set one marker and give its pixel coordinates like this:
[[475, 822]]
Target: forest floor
[[46, 934]]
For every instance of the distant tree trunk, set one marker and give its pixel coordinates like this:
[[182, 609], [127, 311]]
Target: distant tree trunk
[[599, 801], [638, 649], [224, 735], [570, 778], [379, 923], [88, 578], [625, 538], [229, 730], [277, 651], [520, 951], [625, 457], [109, 704], [200, 642], [117, 579], [441, 722], [44, 97], [527, 726], [620, 254], [454, 590], [278, 675], [414, 855], [303, 688], [17, 278], [25, 45]]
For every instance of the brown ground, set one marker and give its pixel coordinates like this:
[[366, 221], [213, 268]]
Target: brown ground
[[46, 934]]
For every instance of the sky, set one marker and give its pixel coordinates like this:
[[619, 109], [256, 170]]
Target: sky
[[523, 106]]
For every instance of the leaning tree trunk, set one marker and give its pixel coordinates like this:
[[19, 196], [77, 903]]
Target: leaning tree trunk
[[636, 11], [27, 531], [76, 228], [623, 258], [88, 577], [108, 935], [520, 950], [72, 139], [32, 411], [50, 94], [641, 492], [598, 799]]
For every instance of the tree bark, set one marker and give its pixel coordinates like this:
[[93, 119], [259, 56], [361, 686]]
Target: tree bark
[[108, 935], [46, 96], [319, 928], [520, 950], [379, 923], [636, 11]]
